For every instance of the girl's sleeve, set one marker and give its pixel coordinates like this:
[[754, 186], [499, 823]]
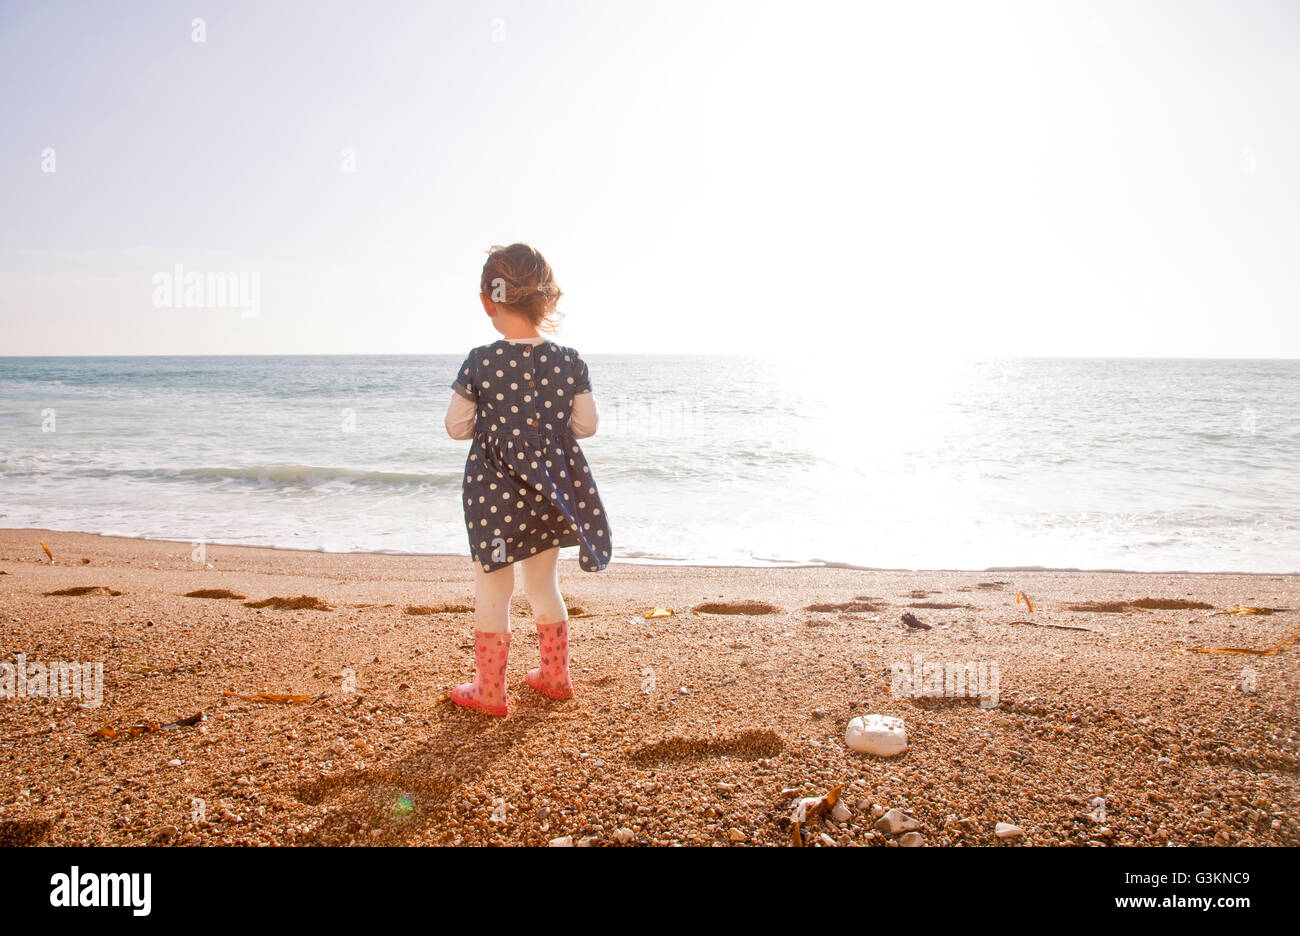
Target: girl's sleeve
[[583, 418], [581, 379], [460, 417], [464, 382]]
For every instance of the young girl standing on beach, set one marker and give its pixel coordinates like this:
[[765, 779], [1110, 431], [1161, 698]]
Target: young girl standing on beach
[[525, 401]]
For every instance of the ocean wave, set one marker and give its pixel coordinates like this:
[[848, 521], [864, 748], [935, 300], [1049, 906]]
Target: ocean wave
[[311, 476], [274, 476]]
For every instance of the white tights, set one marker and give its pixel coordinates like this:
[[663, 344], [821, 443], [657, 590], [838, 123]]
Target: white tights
[[492, 591]]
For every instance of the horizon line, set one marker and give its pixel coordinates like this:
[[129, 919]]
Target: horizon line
[[359, 354]]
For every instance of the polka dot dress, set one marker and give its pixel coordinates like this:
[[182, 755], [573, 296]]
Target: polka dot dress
[[528, 487]]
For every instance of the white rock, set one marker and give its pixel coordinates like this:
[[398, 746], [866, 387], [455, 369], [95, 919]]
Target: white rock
[[881, 735], [896, 822], [1006, 830], [624, 835], [912, 840], [841, 813], [826, 840], [174, 762], [564, 841]]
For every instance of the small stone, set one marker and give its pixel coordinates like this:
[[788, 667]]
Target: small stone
[[880, 735], [736, 835], [624, 835], [841, 813], [896, 822], [1005, 830], [820, 713], [589, 841], [174, 762], [564, 841], [912, 840], [827, 840]]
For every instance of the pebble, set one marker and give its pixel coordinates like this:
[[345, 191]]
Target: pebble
[[881, 735], [174, 762], [841, 813], [588, 841], [912, 840], [896, 822], [736, 835], [564, 841], [1005, 830], [624, 835], [826, 840]]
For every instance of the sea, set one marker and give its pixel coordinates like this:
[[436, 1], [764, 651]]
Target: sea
[[874, 462]]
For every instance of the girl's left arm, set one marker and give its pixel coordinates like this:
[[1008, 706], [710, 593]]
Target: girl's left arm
[[460, 417], [584, 419]]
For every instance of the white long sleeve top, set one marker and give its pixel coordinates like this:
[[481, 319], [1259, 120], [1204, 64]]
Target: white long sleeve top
[[583, 418]]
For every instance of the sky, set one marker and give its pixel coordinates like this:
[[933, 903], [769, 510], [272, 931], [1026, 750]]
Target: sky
[[921, 179]]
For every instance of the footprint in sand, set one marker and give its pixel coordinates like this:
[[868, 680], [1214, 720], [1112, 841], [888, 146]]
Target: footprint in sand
[[301, 603], [856, 605], [1145, 604], [748, 745], [737, 607]]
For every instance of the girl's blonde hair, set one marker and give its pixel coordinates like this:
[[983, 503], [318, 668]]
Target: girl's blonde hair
[[519, 278]]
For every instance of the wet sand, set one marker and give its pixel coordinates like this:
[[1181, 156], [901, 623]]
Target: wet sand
[[700, 728]]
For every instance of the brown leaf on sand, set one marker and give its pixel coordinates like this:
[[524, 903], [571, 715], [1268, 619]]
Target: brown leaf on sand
[[1244, 609], [47, 551], [1267, 651], [106, 733], [810, 808], [912, 621], [1021, 596], [659, 612], [85, 561], [278, 698]]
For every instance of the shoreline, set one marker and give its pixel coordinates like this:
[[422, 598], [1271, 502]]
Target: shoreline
[[663, 563], [276, 697]]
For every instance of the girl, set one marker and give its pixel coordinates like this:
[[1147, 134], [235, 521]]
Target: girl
[[528, 491]]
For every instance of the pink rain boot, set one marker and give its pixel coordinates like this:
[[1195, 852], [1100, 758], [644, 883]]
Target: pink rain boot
[[487, 692], [552, 679]]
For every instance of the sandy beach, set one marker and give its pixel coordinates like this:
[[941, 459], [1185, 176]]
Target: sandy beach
[[699, 728]]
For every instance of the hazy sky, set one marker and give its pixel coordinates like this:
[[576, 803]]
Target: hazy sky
[[989, 178]]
